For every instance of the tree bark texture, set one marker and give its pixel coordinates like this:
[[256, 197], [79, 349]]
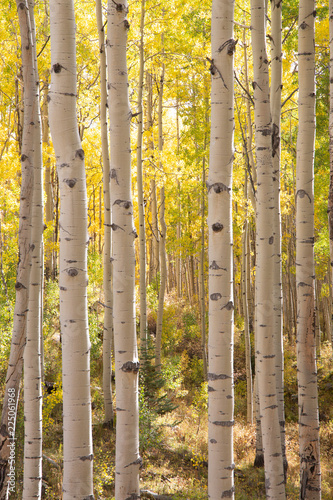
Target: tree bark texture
[[78, 456], [128, 460], [107, 264], [163, 278], [221, 307], [154, 257], [48, 205], [266, 357], [142, 223], [330, 196], [15, 364], [202, 288], [246, 293], [32, 479], [310, 488], [275, 95]]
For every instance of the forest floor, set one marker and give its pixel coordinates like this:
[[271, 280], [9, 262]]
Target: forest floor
[[176, 464], [174, 445]]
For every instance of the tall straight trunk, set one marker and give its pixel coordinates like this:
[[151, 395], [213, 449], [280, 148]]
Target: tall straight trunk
[[142, 224], [154, 257], [107, 263], [162, 233], [179, 253], [15, 364], [275, 94], [259, 457], [221, 307], [330, 196], [77, 431], [266, 358], [310, 488], [126, 356], [49, 258], [202, 294], [249, 136], [163, 277], [246, 293], [32, 480]]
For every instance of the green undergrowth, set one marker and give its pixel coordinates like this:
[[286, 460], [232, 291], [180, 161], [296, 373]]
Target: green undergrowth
[[173, 406]]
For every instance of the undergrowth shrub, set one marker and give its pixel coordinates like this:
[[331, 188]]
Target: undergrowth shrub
[[153, 398]]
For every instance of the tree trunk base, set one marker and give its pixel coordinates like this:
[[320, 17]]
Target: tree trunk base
[[259, 460]]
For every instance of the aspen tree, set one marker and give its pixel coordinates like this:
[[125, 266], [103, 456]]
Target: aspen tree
[[77, 433], [275, 96], [310, 488], [142, 224], [126, 356], [32, 480], [15, 364], [330, 196], [154, 257], [265, 341], [220, 342], [245, 284], [163, 278], [107, 264], [202, 294], [49, 205], [162, 233]]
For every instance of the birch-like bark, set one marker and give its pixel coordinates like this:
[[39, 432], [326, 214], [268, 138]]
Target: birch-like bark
[[32, 479], [202, 294], [249, 137], [310, 487], [126, 356], [246, 293], [15, 364], [154, 257], [275, 94], [265, 343], [142, 224], [77, 431], [49, 260], [221, 307], [330, 196], [163, 277], [162, 233], [107, 264]]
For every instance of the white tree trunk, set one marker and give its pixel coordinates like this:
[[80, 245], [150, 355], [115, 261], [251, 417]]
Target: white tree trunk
[[163, 278], [15, 364], [330, 196], [32, 480], [221, 307], [107, 264], [265, 343], [78, 457], [309, 452], [155, 264], [126, 357], [275, 94], [245, 284], [202, 291], [48, 205], [142, 224]]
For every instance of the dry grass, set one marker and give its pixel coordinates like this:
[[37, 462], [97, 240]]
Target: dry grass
[[179, 464]]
